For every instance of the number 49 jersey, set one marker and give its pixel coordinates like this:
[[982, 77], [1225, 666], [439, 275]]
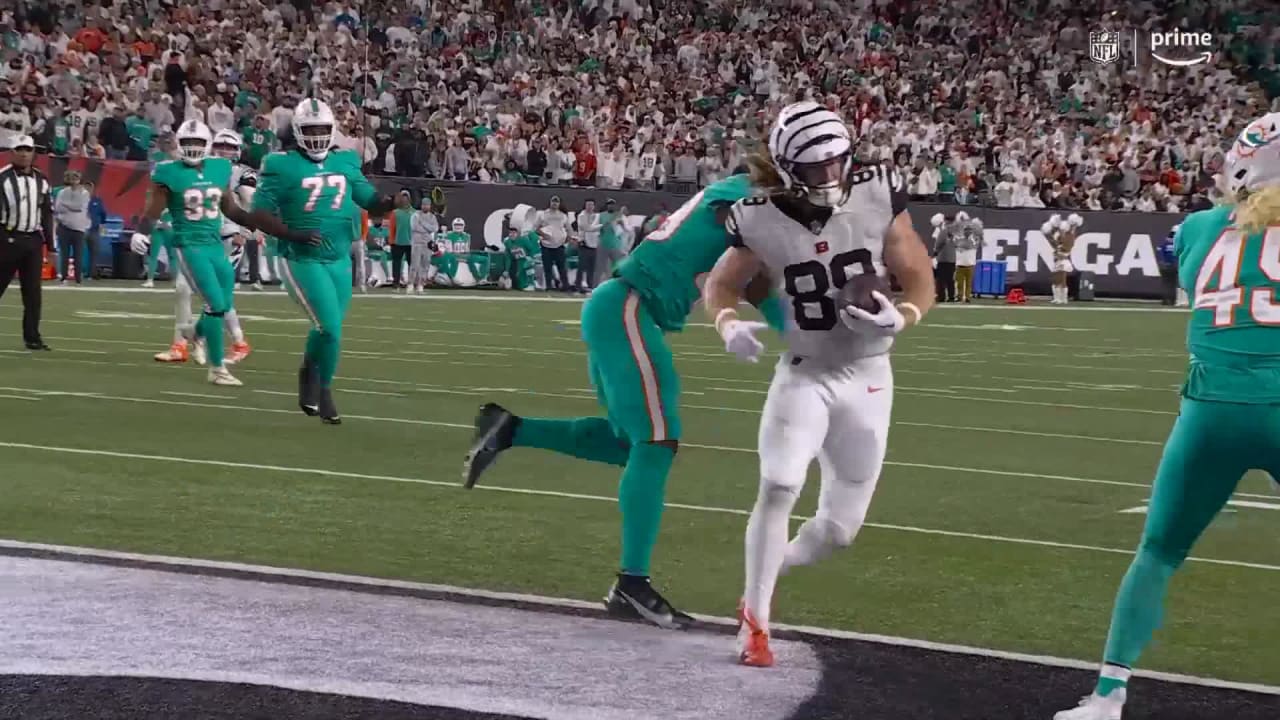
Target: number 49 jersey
[[1234, 332], [195, 199], [810, 258]]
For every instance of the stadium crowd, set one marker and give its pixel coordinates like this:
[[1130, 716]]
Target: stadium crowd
[[988, 101]]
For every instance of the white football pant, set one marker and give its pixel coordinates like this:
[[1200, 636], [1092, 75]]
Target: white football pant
[[839, 416]]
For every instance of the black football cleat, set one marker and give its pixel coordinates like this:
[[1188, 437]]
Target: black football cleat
[[309, 389], [633, 597], [328, 411], [495, 429], [38, 346]]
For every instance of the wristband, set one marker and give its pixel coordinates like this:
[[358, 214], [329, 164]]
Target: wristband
[[912, 307], [723, 316]]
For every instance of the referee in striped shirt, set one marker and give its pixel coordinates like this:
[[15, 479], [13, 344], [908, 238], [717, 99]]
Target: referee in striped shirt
[[26, 227]]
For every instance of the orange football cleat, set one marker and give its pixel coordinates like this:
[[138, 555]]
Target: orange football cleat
[[177, 353], [753, 640], [239, 351]]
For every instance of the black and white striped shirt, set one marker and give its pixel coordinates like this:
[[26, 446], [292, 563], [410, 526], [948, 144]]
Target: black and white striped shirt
[[25, 206]]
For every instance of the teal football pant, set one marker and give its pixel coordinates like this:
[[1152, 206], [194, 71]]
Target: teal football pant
[[209, 273], [1212, 445], [323, 290], [633, 371]]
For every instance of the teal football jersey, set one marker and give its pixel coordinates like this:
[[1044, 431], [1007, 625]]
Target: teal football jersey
[[195, 199], [1234, 333], [664, 268], [321, 196]]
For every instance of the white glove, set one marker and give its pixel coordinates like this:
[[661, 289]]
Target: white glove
[[139, 243], [887, 321], [740, 338]]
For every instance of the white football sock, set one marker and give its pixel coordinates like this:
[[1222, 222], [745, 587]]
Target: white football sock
[[182, 317], [766, 544], [231, 320], [815, 541]]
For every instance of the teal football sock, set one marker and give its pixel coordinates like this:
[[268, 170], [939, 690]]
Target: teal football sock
[[587, 438], [210, 328], [641, 497], [1138, 612]]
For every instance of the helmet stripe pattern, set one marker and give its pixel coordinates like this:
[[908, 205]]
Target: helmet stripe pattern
[[808, 134]]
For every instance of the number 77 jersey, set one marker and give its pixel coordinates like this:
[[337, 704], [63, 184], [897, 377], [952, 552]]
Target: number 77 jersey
[[810, 254], [1234, 332], [320, 196]]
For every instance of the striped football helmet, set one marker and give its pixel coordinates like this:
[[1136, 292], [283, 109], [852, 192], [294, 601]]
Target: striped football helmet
[[226, 144], [812, 150]]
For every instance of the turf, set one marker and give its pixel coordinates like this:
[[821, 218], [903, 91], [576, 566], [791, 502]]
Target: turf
[[1020, 435]]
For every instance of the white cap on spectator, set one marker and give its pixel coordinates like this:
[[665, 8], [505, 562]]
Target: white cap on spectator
[[22, 141]]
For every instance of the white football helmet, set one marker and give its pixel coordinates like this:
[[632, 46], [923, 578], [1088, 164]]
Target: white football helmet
[[313, 125], [194, 142], [1253, 162], [226, 144], [813, 152], [459, 225]]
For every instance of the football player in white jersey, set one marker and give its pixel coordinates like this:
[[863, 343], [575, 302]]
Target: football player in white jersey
[[818, 220], [244, 180]]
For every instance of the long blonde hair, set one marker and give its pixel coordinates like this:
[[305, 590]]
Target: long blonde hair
[[1257, 211], [764, 174]]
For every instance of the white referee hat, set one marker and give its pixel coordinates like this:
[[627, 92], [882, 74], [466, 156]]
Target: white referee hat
[[22, 141]]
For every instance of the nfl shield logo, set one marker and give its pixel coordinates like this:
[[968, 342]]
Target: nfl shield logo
[[1104, 46], [815, 227]]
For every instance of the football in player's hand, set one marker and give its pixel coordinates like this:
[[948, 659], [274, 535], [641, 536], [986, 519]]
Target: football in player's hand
[[857, 292]]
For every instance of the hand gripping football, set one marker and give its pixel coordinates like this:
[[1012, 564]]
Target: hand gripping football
[[857, 292]]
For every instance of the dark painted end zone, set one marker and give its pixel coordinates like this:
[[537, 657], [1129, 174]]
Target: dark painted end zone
[[39, 697], [871, 681]]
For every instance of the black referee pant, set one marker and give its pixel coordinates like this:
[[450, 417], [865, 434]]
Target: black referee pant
[[23, 253]]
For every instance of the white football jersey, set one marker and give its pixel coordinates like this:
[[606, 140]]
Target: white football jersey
[[244, 180], [810, 260]]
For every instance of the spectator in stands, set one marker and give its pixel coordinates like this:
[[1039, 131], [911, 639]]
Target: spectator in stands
[[552, 226], [1019, 91], [114, 134]]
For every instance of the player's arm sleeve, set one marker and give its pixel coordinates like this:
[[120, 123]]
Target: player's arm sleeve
[[365, 194]]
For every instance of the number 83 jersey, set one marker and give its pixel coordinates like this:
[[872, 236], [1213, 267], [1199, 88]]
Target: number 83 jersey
[[195, 199], [810, 253]]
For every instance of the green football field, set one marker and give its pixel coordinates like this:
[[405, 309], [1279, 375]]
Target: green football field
[[1020, 460]]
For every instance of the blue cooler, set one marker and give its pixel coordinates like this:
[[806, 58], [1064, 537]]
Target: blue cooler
[[989, 278]]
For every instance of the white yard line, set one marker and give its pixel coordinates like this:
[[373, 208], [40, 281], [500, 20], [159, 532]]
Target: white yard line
[[498, 296], [595, 498], [437, 423]]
